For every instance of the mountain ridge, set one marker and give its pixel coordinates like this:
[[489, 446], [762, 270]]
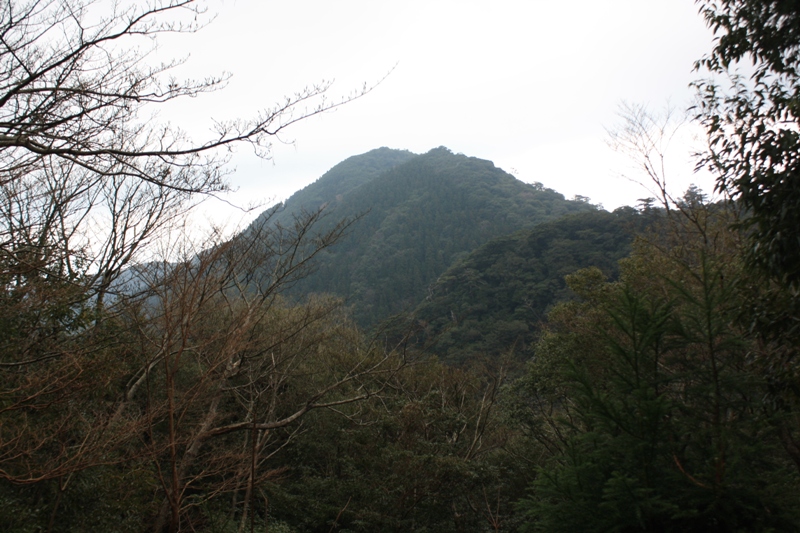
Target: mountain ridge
[[340, 180], [414, 216]]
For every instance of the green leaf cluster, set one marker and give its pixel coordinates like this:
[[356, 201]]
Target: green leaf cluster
[[647, 398]]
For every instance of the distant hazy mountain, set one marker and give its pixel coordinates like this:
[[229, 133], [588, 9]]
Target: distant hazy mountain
[[418, 214], [494, 300]]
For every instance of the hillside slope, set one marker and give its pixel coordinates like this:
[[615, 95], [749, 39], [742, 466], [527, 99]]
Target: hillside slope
[[339, 181], [414, 220], [494, 300]]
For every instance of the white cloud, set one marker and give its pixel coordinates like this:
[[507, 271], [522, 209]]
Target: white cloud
[[528, 85]]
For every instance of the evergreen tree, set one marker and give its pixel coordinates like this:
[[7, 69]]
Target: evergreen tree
[[660, 427]]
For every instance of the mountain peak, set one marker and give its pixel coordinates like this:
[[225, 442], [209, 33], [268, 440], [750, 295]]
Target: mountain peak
[[416, 214]]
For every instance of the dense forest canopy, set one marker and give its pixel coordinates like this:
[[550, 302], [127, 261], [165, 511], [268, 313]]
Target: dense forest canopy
[[414, 216], [494, 300], [550, 366]]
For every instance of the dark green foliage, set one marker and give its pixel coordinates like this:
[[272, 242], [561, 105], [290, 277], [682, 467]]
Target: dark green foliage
[[753, 125], [754, 146], [646, 397], [414, 220], [335, 184], [494, 300], [113, 499], [426, 457]]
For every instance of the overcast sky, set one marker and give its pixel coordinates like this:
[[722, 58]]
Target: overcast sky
[[530, 85]]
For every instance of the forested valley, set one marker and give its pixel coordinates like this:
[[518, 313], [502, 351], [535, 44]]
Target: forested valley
[[414, 342]]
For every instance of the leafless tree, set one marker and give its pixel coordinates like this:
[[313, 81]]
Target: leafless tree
[[226, 365], [644, 136], [89, 177], [88, 173]]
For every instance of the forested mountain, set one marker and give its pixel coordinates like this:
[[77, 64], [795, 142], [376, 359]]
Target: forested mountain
[[493, 301], [661, 394], [336, 183], [413, 217]]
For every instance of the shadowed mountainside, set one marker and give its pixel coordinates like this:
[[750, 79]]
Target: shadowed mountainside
[[494, 300], [415, 215]]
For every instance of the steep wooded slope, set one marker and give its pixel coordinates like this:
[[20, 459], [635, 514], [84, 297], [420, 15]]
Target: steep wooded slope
[[494, 300], [414, 221], [339, 181]]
